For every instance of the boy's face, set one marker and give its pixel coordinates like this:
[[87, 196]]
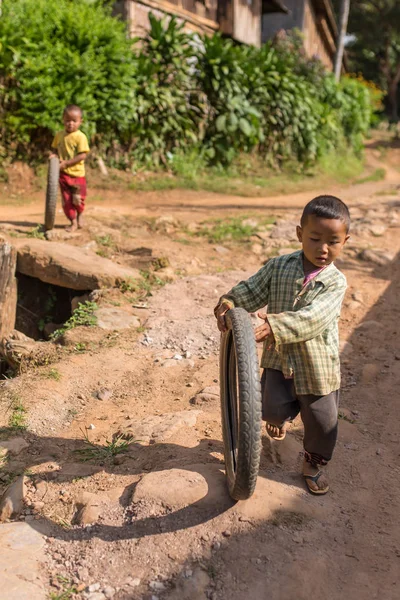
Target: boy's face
[[322, 239], [72, 120]]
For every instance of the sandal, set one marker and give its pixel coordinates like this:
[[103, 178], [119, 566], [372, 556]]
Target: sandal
[[314, 479], [276, 437]]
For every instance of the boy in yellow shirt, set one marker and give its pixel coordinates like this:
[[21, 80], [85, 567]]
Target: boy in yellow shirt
[[71, 146]]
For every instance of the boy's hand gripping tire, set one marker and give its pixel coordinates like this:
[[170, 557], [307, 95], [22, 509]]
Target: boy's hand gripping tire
[[51, 193], [240, 404]]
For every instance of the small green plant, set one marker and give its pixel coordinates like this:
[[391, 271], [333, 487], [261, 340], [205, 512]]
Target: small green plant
[[83, 316], [129, 285], [80, 347], [377, 175], [72, 413], [105, 240], [17, 419], [141, 287], [107, 245], [233, 229], [69, 589], [117, 445], [344, 417], [37, 232], [101, 252], [52, 373]]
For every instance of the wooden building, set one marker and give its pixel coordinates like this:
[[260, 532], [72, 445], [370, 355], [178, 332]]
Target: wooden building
[[239, 19], [315, 19]]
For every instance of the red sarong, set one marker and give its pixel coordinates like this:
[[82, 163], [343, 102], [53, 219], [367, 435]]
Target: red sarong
[[67, 185]]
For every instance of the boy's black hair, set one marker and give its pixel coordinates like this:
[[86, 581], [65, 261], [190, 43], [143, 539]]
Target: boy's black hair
[[327, 207], [73, 107]]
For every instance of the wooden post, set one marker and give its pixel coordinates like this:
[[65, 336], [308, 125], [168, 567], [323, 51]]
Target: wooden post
[[343, 20], [8, 288]]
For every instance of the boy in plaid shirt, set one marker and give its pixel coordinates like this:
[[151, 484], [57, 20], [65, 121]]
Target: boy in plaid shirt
[[304, 293]]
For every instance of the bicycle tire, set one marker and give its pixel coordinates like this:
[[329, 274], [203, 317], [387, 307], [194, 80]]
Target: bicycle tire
[[240, 404], [53, 174]]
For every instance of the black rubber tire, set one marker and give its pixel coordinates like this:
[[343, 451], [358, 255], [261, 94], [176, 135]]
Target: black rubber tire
[[240, 404], [53, 174]]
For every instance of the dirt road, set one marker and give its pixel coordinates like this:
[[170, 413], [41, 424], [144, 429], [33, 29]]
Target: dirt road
[[155, 521]]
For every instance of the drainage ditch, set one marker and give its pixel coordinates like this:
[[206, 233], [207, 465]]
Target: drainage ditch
[[41, 305]]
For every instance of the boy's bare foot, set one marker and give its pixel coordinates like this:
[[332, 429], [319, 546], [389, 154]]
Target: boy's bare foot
[[80, 222], [315, 478], [275, 432], [73, 227]]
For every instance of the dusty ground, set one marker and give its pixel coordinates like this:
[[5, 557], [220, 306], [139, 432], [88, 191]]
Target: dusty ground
[[155, 521]]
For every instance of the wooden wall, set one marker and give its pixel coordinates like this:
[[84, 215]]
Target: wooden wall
[[198, 15], [239, 19], [318, 41], [247, 21]]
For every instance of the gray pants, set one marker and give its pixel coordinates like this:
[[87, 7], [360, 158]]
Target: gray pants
[[318, 413]]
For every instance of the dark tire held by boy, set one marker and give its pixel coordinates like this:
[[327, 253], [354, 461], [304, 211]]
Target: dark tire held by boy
[[240, 404], [51, 193]]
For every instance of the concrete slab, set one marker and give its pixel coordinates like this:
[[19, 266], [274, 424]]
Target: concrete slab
[[21, 550]]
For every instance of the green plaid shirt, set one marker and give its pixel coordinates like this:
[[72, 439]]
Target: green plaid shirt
[[304, 320]]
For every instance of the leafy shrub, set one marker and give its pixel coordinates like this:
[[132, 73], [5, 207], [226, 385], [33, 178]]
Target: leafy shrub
[[169, 110], [57, 52], [170, 95]]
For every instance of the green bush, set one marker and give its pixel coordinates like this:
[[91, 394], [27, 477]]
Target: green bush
[[169, 110], [57, 52], [155, 101]]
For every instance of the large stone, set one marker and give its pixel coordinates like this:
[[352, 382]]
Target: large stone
[[21, 550], [87, 514], [210, 393], [12, 501], [159, 428], [178, 488], [115, 319], [284, 231], [69, 266], [15, 445]]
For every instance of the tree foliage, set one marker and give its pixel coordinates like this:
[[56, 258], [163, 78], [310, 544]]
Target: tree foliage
[[56, 52], [375, 49], [170, 93]]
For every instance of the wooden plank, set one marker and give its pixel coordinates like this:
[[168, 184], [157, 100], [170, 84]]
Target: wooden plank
[[8, 288], [225, 16], [172, 9], [247, 21]]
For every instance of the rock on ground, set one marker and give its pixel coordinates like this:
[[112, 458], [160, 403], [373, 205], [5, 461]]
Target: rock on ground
[[210, 393], [15, 445], [115, 319], [21, 548], [284, 231], [69, 266], [179, 488], [12, 501]]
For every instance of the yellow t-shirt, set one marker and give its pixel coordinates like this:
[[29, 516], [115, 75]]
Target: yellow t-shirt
[[68, 146]]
